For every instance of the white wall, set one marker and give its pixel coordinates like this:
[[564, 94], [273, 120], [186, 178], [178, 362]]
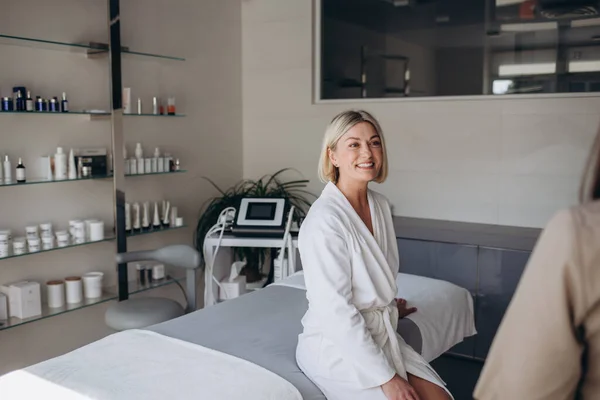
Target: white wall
[[498, 161], [207, 88]]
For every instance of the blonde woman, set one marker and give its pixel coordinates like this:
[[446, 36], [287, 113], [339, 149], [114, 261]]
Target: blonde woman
[[548, 344], [349, 346]]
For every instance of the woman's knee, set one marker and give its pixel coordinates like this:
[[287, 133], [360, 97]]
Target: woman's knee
[[427, 390]]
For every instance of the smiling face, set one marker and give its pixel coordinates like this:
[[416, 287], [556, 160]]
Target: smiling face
[[358, 154]]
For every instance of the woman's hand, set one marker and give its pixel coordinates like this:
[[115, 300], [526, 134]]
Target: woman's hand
[[399, 389], [403, 311]]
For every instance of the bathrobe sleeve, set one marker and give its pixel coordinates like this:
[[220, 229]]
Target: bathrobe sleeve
[[327, 270], [536, 353]]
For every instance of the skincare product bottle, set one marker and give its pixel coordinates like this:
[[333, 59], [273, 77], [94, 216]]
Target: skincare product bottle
[[127, 217], [139, 152], [54, 104], [171, 106], [1, 174], [79, 167], [29, 102], [166, 214], [64, 103], [156, 219], [60, 165], [177, 166], [72, 167], [139, 106], [7, 170], [20, 172], [154, 106], [146, 216], [136, 216], [20, 102], [133, 167], [127, 100]]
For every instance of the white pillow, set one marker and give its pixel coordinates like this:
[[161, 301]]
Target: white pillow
[[444, 314]]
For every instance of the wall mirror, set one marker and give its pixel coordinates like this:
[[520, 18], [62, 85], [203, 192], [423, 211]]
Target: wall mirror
[[433, 48]]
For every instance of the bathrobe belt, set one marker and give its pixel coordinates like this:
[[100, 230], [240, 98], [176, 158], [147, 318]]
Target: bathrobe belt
[[379, 322]]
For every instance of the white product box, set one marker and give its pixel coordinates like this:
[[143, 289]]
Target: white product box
[[24, 299]]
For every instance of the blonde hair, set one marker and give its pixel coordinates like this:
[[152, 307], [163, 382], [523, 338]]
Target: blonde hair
[[338, 126], [590, 184]]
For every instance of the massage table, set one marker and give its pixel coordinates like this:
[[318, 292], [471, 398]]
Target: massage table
[[241, 348]]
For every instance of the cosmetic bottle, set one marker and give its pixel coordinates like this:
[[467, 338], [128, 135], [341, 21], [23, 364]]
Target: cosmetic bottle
[[166, 214], [127, 218], [177, 166], [64, 103], [141, 273], [72, 167], [126, 100], [139, 152], [154, 106], [29, 102], [7, 104], [20, 172], [126, 161], [156, 219], [20, 102], [139, 106], [1, 174], [54, 105], [136, 216], [39, 104], [133, 166], [7, 170], [171, 106], [60, 165], [79, 167], [146, 216]]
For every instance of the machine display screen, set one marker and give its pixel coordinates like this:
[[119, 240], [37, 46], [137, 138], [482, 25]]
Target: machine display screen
[[261, 211]]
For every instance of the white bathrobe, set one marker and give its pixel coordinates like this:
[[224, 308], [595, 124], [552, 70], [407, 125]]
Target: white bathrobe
[[349, 346]]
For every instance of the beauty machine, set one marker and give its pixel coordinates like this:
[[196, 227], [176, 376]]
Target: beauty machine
[[261, 217]]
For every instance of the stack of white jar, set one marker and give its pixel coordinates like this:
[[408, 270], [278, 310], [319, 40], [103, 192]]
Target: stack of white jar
[[42, 237]]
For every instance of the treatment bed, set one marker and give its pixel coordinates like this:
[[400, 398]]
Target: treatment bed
[[241, 348]]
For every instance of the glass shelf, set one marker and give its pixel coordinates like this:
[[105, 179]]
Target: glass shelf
[[64, 114], [91, 49], [138, 53], [47, 44], [181, 171], [109, 294], [40, 181], [107, 238], [155, 230], [100, 116], [93, 115]]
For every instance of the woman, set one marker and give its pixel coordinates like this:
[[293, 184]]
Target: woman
[[349, 347], [548, 344]]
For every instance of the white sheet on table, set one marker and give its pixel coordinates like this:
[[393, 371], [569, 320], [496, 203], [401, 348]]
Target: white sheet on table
[[444, 314], [139, 364]]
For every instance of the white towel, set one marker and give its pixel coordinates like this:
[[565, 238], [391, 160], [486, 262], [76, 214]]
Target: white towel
[[140, 364]]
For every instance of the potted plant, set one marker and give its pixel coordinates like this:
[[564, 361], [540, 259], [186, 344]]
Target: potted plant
[[267, 186]]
